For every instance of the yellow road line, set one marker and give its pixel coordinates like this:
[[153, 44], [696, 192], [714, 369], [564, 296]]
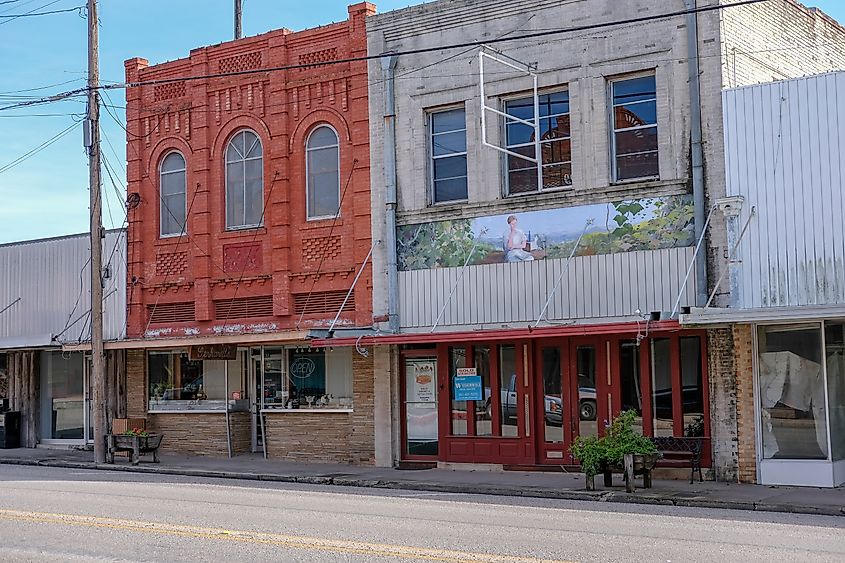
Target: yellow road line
[[281, 540]]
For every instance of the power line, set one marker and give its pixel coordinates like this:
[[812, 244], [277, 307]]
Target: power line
[[13, 18], [37, 149], [33, 14]]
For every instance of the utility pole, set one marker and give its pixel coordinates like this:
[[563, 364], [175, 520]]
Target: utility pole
[[238, 18], [93, 145]]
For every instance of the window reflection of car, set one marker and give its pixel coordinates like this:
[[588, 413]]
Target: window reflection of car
[[691, 397], [553, 404]]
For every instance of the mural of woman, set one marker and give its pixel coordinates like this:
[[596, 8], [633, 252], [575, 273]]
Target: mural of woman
[[514, 242]]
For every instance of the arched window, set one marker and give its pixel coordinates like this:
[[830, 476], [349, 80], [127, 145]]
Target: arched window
[[244, 181], [172, 212], [323, 173]]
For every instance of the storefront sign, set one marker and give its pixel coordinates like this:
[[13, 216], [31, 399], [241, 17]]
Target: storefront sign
[[423, 383], [213, 352], [467, 387]]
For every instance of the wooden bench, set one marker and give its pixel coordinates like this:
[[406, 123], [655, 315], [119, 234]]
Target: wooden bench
[[680, 452], [137, 445]]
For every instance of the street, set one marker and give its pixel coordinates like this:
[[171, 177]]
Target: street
[[52, 514]]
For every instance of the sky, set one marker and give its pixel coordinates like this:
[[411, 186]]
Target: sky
[[47, 194]]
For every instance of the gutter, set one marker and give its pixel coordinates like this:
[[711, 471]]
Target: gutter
[[697, 148], [388, 67]]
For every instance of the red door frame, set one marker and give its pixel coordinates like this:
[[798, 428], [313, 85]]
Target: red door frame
[[403, 418]]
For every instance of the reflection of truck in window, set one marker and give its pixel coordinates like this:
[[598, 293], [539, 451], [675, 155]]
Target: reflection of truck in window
[[553, 405]]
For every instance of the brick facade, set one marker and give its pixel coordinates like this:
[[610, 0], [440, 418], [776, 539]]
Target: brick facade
[[745, 409], [215, 280], [723, 401], [201, 433]]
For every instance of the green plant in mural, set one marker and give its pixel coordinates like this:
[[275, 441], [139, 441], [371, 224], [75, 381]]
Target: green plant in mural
[[444, 244], [646, 224]]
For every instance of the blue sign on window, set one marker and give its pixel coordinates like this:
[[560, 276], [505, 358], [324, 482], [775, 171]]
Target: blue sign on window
[[467, 388]]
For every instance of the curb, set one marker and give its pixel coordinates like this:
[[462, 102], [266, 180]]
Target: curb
[[430, 486]]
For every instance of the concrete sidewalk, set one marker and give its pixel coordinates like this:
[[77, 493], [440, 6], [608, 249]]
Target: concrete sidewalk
[[570, 486]]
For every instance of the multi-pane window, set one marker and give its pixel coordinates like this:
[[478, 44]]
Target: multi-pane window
[[448, 155], [323, 172], [555, 143], [172, 195], [634, 140], [244, 181]]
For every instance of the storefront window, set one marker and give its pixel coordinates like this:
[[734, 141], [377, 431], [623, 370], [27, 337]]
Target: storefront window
[[834, 339], [305, 378], [552, 395], [508, 392], [457, 359], [421, 406], [692, 386], [661, 385], [484, 408], [792, 394], [629, 372], [62, 396], [585, 357], [178, 383]]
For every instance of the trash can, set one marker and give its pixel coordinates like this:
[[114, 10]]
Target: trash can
[[10, 429]]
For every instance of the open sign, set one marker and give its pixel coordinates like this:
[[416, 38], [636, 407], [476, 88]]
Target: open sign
[[302, 368]]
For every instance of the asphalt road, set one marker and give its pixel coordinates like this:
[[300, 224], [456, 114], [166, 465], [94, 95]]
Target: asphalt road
[[51, 514]]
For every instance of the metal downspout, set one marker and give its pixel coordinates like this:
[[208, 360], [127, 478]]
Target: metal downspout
[[697, 149], [388, 66]]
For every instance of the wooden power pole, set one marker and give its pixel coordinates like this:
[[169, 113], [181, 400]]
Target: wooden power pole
[[93, 144], [238, 19]]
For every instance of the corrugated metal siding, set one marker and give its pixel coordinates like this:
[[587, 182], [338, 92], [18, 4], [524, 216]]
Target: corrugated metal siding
[[783, 151], [51, 278], [601, 286]]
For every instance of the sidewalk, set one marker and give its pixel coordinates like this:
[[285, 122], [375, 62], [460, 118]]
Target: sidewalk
[[569, 486]]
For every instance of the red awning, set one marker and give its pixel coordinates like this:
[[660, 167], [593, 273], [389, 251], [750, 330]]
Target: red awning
[[631, 328]]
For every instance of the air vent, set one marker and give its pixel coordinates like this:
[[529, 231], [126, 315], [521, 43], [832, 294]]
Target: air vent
[[244, 307], [171, 312], [322, 302]]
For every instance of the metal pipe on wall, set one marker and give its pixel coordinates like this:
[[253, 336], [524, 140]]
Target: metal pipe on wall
[[388, 67], [697, 148]]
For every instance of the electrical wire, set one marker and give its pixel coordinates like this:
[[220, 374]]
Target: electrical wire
[[37, 149]]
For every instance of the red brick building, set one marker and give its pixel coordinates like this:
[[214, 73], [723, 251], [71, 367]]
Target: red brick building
[[249, 219]]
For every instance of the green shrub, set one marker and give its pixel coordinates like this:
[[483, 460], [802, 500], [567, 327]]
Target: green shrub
[[610, 449]]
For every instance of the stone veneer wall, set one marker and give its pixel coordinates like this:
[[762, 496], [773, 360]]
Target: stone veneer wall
[[201, 433], [327, 437], [300, 436]]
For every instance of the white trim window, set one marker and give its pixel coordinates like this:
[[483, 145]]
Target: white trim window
[[634, 141], [244, 181], [555, 143], [172, 195], [322, 171], [448, 150]]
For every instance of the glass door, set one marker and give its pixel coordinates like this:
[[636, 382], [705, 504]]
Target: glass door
[[420, 412], [255, 379]]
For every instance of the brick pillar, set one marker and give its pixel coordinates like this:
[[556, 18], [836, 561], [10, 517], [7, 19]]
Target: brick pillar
[[136, 384], [362, 431], [747, 449], [722, 384]]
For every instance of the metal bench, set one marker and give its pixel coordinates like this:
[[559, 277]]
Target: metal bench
[[680, 452]]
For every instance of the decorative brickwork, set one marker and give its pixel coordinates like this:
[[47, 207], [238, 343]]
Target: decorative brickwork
[[244, 307], [316, 249], [171, 263], [168, 91], [239, 63], [314, 57], [745, 412], [171, 312], [240, 258], [322, 302]]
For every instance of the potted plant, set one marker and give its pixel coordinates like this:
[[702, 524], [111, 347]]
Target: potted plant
[[607, 454]]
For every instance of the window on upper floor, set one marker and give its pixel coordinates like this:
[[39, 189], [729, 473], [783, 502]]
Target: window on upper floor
[[448, 150], [244, 181], [634, 114], [555, 143], [172, 195], [322, 169]]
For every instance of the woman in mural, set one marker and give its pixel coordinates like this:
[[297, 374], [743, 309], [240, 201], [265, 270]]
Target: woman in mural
[[514, 242]]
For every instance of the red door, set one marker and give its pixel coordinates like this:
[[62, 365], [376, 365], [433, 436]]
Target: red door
[[497, 427]]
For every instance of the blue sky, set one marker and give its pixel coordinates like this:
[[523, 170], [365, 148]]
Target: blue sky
[[47, 195]]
